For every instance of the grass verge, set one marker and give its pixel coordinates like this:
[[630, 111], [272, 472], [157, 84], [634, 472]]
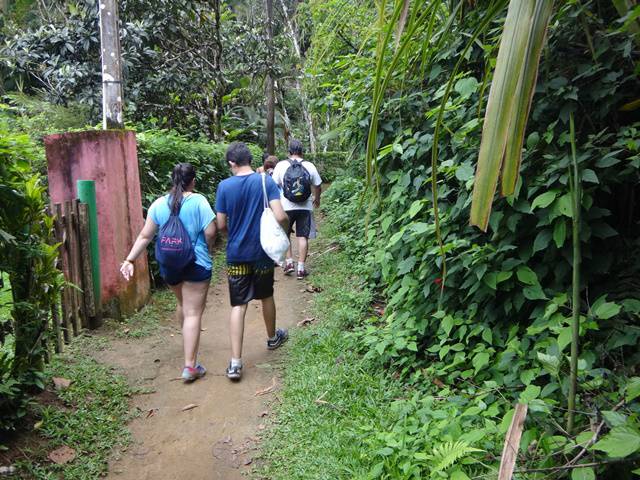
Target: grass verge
[[89, 416], [330, 397]]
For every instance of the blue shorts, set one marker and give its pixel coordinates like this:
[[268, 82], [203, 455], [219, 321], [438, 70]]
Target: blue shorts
[[191, 273]]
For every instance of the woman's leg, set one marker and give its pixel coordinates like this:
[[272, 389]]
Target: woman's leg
[[194, 296], [177, 291]]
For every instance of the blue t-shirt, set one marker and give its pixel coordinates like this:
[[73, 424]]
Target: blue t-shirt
[[196, 215], [240, 198]]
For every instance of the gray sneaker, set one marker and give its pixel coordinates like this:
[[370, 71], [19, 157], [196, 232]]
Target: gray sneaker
[[281, 337], [234, 373]]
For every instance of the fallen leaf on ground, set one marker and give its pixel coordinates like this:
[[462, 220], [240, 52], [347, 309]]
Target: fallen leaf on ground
[[62, 455], [37, 425], [126, 330], [264, 414], [61, 383], [306, 321], [191, 406], [268, 389], [313, 289], [248, 461], [438, 383], [203, 329], [151, 412]]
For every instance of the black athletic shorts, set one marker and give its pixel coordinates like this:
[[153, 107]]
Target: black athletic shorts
[[302, 220], [250, 281]]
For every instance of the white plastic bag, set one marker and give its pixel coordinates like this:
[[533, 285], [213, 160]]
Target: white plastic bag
[[274, 240]]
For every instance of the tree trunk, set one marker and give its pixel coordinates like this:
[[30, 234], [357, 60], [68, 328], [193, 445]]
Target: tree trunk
[[308, 118], [112, 110], [285, 116], [269, 85], [218, 94]]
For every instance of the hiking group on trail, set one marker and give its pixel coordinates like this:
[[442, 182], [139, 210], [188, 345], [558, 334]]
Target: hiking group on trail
[[259, 210]]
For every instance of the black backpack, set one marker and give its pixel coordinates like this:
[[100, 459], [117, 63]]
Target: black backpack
[[296, 184]]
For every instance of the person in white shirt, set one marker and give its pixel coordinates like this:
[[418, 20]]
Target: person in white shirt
[[301, 191]]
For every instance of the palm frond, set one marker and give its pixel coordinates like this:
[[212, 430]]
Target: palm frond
[[509, 101]]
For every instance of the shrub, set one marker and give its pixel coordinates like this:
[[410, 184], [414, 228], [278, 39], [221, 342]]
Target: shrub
[[25, 254], [331, 165]]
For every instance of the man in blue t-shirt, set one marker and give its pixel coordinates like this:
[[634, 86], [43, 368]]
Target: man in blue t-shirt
[[239, 206]]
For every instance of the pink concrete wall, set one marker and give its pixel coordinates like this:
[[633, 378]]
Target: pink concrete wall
[[109, 158]]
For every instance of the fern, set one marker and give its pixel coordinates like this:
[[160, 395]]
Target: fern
[[449, 453]]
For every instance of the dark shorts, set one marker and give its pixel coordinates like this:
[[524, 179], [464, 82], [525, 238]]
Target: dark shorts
[[250, 281], [302, 220], [191, 273]]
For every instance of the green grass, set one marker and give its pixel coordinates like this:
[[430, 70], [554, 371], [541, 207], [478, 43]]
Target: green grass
[[330, 397], [91, 419], [150, 319]]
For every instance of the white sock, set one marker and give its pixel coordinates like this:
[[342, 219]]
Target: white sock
[[289, 260], [300, 266], [236, 362]]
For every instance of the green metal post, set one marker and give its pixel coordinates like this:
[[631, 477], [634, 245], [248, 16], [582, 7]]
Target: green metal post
[[87, 194]]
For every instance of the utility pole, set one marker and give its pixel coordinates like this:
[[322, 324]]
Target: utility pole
[[112, 111], [269, 84]]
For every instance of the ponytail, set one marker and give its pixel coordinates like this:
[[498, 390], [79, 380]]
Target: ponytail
[[182, 175]]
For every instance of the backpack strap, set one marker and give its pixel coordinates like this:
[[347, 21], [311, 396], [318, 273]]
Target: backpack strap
[[265, 200]]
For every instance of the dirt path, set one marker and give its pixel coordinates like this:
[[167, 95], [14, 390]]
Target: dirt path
[[216, 439]]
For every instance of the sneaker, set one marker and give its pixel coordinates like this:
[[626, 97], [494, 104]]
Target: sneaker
[[289, 268], [234, 373], [189, 374], [281, 337], [301, 274]]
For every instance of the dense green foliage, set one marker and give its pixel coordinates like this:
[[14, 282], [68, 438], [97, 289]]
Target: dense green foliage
[[177, 74], [29, 261], [495, 330], [160, 150]]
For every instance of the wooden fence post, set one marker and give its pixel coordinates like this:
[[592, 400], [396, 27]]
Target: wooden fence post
[[77, 266], [72, 256], [55, 318], [91, 309], [63, 266]]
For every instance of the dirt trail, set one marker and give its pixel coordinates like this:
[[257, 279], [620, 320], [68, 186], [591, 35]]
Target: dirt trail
[[217, 439]]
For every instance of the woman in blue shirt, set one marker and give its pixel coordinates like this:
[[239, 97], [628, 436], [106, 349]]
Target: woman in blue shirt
[[190, 284]]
